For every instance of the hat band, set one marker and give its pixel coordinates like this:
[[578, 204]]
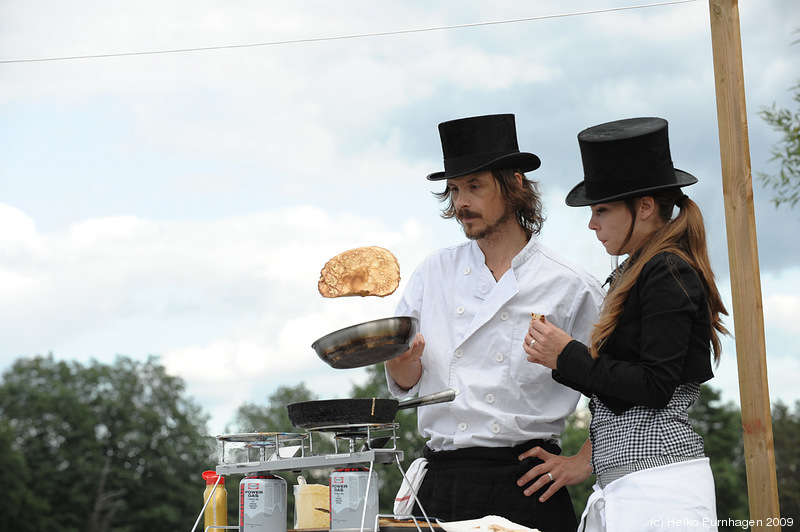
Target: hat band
[[469, 163], [599, 187]]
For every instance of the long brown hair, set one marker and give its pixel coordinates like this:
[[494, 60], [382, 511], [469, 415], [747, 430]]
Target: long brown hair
[[523, 199], [685, 236]]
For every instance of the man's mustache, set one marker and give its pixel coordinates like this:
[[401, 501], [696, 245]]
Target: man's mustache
[[464, 213]]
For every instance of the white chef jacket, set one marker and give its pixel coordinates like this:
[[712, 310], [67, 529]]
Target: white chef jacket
[[474, 328]]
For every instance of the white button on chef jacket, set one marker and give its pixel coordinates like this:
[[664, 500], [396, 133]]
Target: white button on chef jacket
[[495, 428], [490, 398], [462, 426], [459, 353], [498, 357]]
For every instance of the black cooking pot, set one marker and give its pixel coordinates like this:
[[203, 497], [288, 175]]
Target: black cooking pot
[[337, 412], [367, 343]]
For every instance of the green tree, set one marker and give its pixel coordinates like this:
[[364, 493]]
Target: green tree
[[109, 447], [274, 417], [786, 437], [720, 425], [21, 507], [786, 183]]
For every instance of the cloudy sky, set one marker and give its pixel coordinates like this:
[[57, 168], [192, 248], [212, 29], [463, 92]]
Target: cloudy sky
[[182, 203]]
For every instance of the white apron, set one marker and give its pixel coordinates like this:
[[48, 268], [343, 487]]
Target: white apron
[[673, 497]]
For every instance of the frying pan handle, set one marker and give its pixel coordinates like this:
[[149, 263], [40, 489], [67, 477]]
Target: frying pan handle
[[444, 396]]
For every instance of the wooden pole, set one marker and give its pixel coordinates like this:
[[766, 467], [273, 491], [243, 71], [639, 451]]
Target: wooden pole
[[748, 315]]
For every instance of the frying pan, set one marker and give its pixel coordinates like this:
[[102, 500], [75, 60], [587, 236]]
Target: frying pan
[[335, 412], [367, 343]]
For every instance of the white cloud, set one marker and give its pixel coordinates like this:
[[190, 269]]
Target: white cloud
[[15, 226], [782, 301], [183, 204], [233, 304], [780, 297]]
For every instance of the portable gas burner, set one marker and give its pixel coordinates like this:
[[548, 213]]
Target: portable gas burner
[[281, 451]]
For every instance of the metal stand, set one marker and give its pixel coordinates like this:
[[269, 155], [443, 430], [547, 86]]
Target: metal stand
[[273, 447], [281, 444]]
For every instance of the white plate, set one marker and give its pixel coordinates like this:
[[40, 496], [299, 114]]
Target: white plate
[[490, 523]]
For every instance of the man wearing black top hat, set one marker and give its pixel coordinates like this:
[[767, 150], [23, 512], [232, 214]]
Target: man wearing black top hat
[[474, 302]]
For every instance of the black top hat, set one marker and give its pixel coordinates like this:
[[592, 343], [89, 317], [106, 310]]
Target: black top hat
[[481, 143], [625, 159]]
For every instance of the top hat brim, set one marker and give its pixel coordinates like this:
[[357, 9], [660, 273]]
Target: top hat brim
[[577, 196], [526, 162]]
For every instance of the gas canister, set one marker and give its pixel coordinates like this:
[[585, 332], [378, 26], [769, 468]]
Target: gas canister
[[262, 504], [351, 504]]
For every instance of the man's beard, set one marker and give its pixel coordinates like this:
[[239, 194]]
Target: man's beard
[[487, 231]]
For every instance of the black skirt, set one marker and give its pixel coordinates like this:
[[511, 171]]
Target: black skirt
[[479, 481]]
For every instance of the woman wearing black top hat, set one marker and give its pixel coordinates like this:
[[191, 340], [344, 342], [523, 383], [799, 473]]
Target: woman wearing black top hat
[[652, 346]]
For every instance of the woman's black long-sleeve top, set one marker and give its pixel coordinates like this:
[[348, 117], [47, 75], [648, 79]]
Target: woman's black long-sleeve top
[[662, 340]]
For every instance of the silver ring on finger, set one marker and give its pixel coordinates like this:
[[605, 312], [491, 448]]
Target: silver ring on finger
[[549, 474], [533, 341]]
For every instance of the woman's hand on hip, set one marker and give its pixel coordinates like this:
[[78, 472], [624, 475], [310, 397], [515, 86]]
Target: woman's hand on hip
[[557, 471]]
